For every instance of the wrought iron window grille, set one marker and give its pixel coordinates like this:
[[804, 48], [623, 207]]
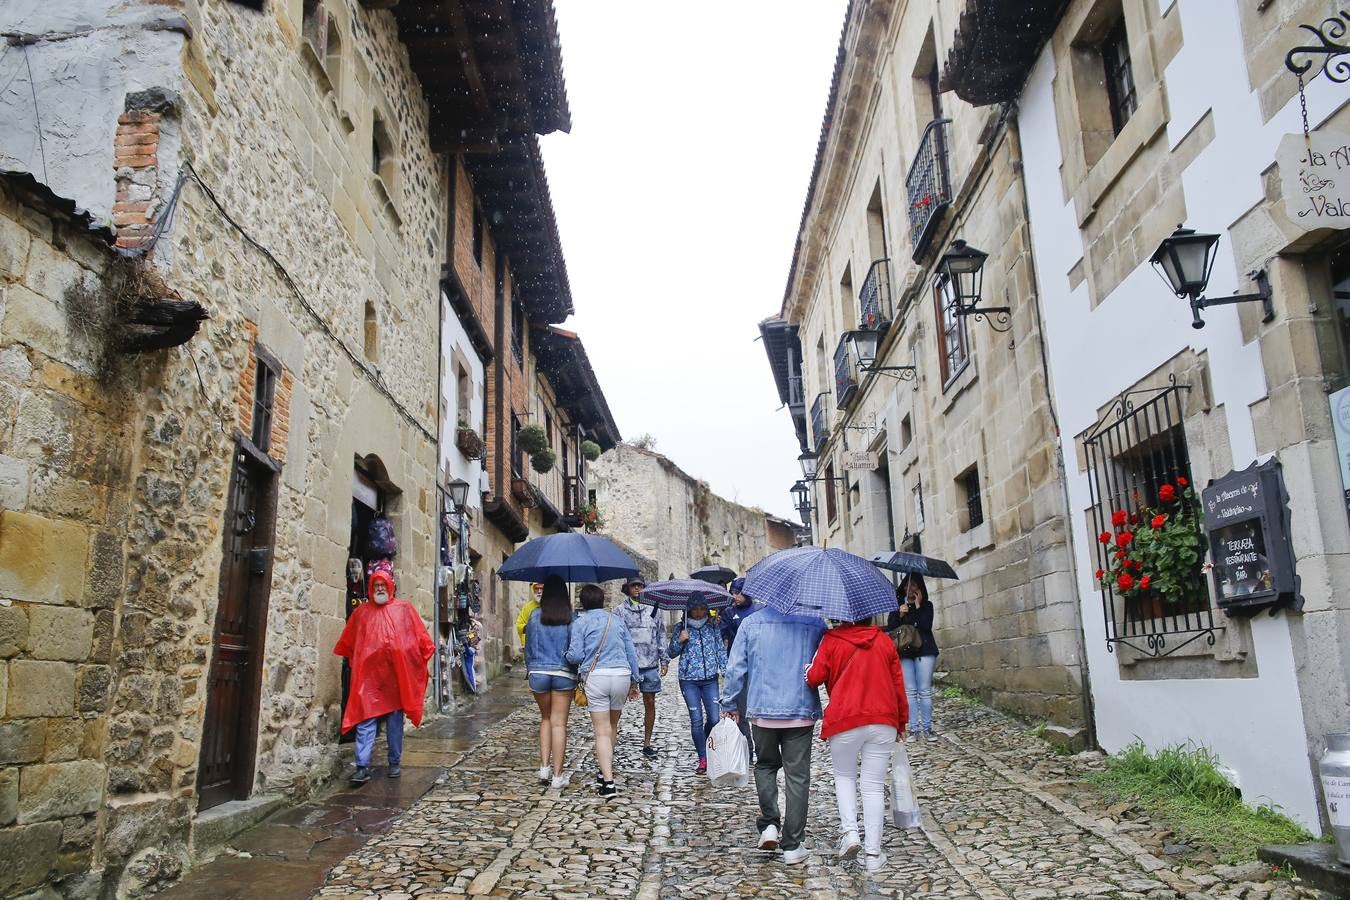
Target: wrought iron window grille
[[264, 403], [845, 383], [1134, 449], [1119, 72], [874, 300], [974, 506], [928, 186], [818, 421]]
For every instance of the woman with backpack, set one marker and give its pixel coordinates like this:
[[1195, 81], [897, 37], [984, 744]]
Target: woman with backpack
[[866, 714], [918, 650]]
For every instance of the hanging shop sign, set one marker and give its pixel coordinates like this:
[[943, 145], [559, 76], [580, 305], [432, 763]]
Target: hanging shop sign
[[1247, 525], [859, 460], [1315, 179]]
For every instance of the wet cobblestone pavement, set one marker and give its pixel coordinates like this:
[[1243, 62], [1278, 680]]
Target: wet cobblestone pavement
[[1003, 817]]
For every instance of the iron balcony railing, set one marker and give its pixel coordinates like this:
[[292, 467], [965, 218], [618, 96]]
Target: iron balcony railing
[[574, 496], [874, 300], [796, 395], [845, 381], [929, 186], [818, 421]]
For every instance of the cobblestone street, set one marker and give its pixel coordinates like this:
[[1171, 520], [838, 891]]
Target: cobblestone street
[[996, 823]]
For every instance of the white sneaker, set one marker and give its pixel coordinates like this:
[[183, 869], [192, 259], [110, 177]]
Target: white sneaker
[[545, 773], [849, 845], [793, 857], [768, 838], [560, 781], [875, 861]]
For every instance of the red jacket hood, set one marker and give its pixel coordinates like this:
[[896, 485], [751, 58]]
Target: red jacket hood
[[388, 580], [860, 636]]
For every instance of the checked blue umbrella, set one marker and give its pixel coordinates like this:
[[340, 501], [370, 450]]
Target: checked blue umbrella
[[829, 583], [572, 557], [675, 594]]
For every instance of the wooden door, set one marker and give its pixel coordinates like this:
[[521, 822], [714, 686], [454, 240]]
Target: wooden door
[[230, 731]]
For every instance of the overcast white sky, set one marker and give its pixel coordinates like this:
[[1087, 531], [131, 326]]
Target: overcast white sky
[[678, 194]]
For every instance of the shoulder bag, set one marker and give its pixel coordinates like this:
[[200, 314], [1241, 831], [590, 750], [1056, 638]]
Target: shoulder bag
[[579, 692], [906, 637]]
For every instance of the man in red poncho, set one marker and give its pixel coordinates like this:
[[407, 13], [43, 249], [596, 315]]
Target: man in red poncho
[[388, 647]]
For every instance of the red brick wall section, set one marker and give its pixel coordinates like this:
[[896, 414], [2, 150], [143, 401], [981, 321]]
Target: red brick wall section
[[247, 378], [135, 155], [281, 406]]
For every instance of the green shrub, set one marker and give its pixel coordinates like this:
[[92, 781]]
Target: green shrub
[[542, 462], [532, 439], [590, 450]]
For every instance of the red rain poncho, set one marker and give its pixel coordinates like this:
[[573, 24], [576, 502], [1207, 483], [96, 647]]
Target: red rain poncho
[[388, 647]]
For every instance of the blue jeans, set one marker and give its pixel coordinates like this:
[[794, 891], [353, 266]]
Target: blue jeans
[[393, 731], [701, 698], [919, 680]]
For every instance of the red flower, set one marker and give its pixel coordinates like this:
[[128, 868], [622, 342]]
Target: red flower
[[1159, 520], [1104, 537], [1120, 554], [1118, 518], [1182, 482], [1135, 564], [1144, 583], [1100, 573], [1125, 582], [1123, 539], [1167, 493]]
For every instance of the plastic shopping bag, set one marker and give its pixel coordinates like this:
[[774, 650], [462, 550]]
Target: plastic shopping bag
[[904, 805], [728, 755]]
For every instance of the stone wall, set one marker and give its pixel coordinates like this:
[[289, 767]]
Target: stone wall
[[652, 505]]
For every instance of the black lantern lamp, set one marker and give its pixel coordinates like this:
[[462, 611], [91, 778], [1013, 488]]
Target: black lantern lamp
[[862, 346], [459, 494], [962, 266], [1185, 260], [801, 493], [808, 461]]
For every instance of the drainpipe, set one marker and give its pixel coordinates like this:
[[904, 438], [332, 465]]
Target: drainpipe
[[1015, 138]]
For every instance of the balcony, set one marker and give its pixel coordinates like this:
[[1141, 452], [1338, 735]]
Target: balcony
[[796, 402], [874, 300], [929, 186], [818, 422], [575, 497], [845, 379]]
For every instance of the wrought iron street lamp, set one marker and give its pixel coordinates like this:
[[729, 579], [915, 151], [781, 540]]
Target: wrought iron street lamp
[[459, 494], [1185, 260], [862, 347], [808, 461], [963, 268], [801, 492]]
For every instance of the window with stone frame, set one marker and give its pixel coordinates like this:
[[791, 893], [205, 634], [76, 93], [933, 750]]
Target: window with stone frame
[[831, 509], [1118, 75], [1138, 467], [953, 344], [971, 499]]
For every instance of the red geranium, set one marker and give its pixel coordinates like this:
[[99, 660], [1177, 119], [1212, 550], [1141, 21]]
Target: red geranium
[[1125, 582], [1100, 573], [1167, 493], [1144, 583], [1123, 539], [1104, 537], [1120, 554], [1181, 481], [1118, 518]]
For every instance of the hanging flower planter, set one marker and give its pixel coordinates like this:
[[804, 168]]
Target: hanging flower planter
[[590, 518], [523, 492], [469, 442], [590, 451], [542, 462], [532, 439]]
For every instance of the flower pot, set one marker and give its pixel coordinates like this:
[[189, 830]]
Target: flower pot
[[469, 443], [522, 491]]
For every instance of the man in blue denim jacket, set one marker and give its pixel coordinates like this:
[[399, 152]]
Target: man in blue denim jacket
[[767, 666]]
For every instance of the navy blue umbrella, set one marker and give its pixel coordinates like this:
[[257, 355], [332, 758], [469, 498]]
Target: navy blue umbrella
[[674, 594], [571, 556], [825, 582], [914, 564]]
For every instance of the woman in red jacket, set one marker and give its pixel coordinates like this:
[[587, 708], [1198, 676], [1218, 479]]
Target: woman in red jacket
[[866, 715]]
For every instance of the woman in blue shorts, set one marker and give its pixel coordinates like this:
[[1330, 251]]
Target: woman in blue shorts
[[552, 680]]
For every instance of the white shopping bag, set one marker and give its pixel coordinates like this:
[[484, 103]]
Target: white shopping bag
[[728, 755], [904, 805]]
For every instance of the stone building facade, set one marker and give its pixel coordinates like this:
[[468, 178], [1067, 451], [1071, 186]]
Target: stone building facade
[[1200, 139], [944, 440], [665, 514], [195, 517]]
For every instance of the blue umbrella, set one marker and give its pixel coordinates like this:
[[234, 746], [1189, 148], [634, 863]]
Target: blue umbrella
[[914, 563], [572, 557], [828, 583], [675, 594]]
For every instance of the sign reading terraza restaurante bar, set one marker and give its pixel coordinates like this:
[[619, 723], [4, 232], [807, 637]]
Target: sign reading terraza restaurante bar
[[1315, 179], [1247, 522]]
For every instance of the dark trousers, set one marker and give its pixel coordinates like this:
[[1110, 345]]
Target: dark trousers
[[788, 749]]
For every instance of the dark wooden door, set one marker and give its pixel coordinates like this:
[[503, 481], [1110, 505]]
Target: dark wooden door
[[229, 734]]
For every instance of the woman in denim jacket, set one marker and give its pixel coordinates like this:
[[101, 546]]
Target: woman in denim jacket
[[602, 650], [703, 657], [552, 679]]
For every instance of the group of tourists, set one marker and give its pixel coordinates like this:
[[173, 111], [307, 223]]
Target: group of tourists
[[760, 668]]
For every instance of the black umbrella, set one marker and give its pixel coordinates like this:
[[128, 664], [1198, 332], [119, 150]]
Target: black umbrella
[[714, 574], [913, 563]]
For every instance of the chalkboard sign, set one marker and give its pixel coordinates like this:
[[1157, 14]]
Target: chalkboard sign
[[1247, 522]]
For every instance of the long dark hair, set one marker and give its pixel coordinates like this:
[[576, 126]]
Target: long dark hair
[[902, 592], [554, 607]]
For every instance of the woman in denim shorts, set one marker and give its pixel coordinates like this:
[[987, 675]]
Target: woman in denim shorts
[[602, 650], [552, 680]]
